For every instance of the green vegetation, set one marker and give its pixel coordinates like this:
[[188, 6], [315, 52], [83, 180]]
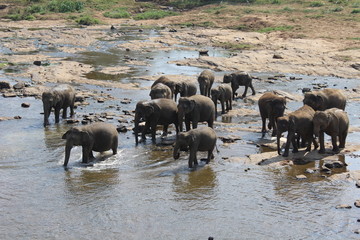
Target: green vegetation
[[233, 46], [154, 14], [316, 4], [117, 13], [355, 11], [87, 20], [274, 29]]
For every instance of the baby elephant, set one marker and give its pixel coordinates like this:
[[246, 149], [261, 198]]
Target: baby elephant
[[223, 93], [239, 79], [160, 90], [335, 123], [199, 139], [98, 137]]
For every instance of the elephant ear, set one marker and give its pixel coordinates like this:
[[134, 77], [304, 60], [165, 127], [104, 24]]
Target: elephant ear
[[192, 104], [292, 124], [85, 137], [149, 110], [190, 138]]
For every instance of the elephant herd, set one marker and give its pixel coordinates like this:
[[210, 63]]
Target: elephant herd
[[322, 113]]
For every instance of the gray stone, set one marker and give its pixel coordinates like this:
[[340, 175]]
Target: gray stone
[[301, 177], [343, 206], [25, 105], [357, 203], [4, 85]]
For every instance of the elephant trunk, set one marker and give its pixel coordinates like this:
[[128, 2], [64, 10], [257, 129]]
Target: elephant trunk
[[278, 142], [68, 148], [136, 129], [181, 115], [47, 111], [316, 131], [203, 88], [176, 153]]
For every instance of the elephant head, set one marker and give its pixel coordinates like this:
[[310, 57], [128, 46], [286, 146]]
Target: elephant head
[[49, 99], [183, 140], [160, 90], [277, 106], [228, 78], [314, 100], [321, 121], [143, 111], [75, 137], [185, 106], [178, 89], [283, 124]]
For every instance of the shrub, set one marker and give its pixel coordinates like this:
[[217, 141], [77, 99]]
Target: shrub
[[119, 13], [87, 20], [63, 6], [273, 29], [316, 4], [355, 11], [154, 14]]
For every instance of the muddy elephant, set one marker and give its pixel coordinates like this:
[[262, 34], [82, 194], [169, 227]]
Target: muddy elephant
[[155, 112], [239, 79], [168, 82], [335, 123], [271, 106], [197, 108], [59, 97], [223, 93], [185, 89], [98, 137], [325, 99], [206, 80], [199, 139], [298, 124], [160, 90]]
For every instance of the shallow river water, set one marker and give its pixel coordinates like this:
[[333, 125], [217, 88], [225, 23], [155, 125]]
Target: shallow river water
[[143, 193]]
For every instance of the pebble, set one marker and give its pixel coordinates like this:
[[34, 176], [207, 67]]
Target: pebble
[[25, 105], [72, 121], [343, 206], [9, 94], [357, 231], [121, 129], [357, 203], [300, 177]]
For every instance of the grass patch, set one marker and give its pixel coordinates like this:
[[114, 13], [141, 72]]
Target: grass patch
[[316, 4], [355, 11], [154, 14], [87, 20], [274, 29], [233, 46], [118, 13]]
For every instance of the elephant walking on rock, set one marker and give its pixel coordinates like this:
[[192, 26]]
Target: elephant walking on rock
[[60, 97], [200, 139], [197, 108], [98, 137], [335, 123], [239, 79], [206, 80], [271, 106], [223, 93], [155, 112], [325, 99]]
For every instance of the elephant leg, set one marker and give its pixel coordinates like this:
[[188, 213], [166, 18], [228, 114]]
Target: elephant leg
[[165, 130], [194, 124], [115, 145], [342, 140], [335, 148], [57, 115], [252, 89], [153, 132], [72, 110], [230, 103], [263, 129], [210, 156], [64, 112], [287, 145], [316, 145], [86, 151], [222, 106], [187, 124], [245, 91], [295, 146], [309, 142], [321, 141], [145, 130], [227, 105]]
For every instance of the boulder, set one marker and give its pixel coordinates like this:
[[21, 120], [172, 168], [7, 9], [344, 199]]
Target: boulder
[[4, 85]]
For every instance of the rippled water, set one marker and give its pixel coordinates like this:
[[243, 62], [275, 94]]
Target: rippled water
[[142, 193]]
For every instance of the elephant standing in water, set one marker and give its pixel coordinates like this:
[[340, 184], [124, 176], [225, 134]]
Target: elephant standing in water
[[199, 139], [298, 122], [325, 99], [155, 112], [60, 97], [239, 79], [206, 80], [160, 90], [98, 137], [168, 82], [223, 93], [185, 89], [333, 122], [271, 106], [197, 108]]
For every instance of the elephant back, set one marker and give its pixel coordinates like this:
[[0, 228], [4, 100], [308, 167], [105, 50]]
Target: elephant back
[[204, 105]]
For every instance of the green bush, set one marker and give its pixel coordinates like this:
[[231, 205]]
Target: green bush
[[273, 29], [119, 13], [87, 20], [355, 11], [154, 14], [316, 4], [64, 6]]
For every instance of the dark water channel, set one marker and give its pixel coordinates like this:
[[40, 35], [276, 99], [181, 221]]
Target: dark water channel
[[142, 193]]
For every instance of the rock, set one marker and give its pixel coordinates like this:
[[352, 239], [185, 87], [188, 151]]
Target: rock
[[9, 94], [19, 85], [229, 139], [121, 128], [37, 63], [277, 56], [357, 184], [84, 121], [126, 112], [309, 170], [101, 100], [3, 6], [122, 120], [72, 121], [25, 105], [301, 177], [125, 101], [112, 27], [356, 66], [357, 203], [357, 231], [343, 206], [4, 85], [304, 90], [17, 117], [334, 164], [204, 52], [172, 30]]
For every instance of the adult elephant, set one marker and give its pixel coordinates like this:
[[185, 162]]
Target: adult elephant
[[155, 112], [325, 99], [206, 80], [335, 123], [185, 89], [98, 137], [59, 97], [168, 82], [298, 122], [200, 139], [197, 108], [160, 90], [239, 79], [223, 93], [271, 106]]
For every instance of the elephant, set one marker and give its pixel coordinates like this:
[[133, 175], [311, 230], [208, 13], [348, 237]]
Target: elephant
[[271, 106], [223, 93], [197, 108], [199, 139], [185, 89], [164, 80], [98, 137], [160, 90], [206, 80], [335, 123], [298, 124], [239, 79], [59, 97], [325, 99], [155, 112]]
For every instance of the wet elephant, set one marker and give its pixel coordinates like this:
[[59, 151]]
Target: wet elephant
[[299, 122], [197, 108], [200, 139], [185, 89], [325, 99], [271, 106], [239, 79], [223, 93], [168, 82], [206, 80], [59, 97], [160, 90], [98, 137], [335, 123], [155, 112]]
